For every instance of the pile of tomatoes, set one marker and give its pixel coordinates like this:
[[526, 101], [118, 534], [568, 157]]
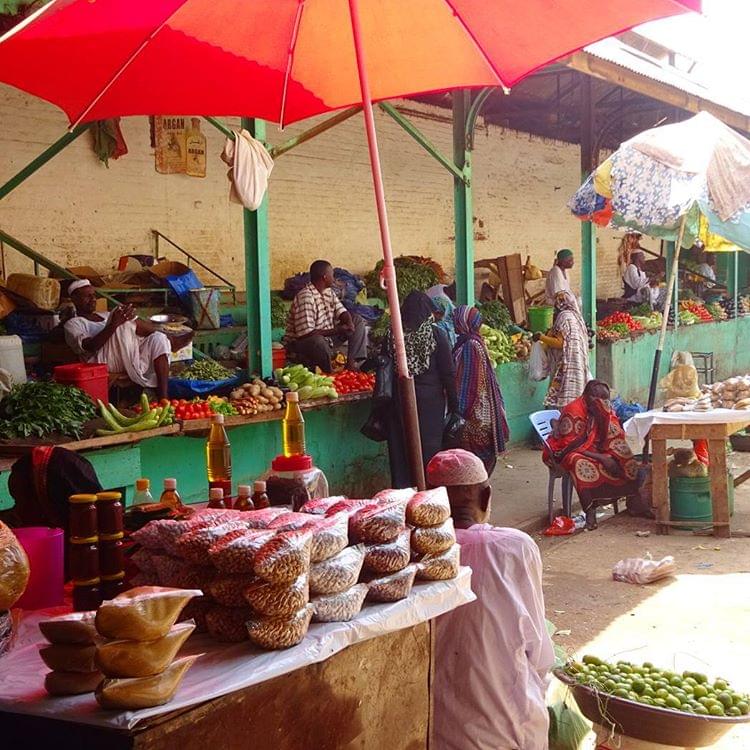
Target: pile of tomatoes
[[698, 309], [348, 381], [621, 317], [183, 409]]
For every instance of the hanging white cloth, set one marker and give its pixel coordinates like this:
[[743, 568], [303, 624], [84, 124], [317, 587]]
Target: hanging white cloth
[[250, 165]]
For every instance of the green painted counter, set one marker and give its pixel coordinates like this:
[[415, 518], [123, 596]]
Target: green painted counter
[[626, 365], [353, 465]]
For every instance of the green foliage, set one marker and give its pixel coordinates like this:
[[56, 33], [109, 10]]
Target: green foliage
[[495, 314], [278, 311], [206, 369], [39, 408], [411, 275]]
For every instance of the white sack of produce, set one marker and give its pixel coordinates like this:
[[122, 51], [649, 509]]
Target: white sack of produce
[[638, 570]]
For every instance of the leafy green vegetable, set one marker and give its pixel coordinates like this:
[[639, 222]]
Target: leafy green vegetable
[[410, 275], [495, 314], [206, 369], [380, 328], [39, 408], [278, 311]]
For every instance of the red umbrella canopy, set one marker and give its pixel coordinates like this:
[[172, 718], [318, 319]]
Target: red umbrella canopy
[[285, 60]]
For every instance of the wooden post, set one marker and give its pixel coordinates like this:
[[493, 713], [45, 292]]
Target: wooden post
[[660, 484], [717, 474]]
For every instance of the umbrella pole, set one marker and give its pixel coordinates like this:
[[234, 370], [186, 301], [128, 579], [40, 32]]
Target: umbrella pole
[[665, 315], [408, 394]]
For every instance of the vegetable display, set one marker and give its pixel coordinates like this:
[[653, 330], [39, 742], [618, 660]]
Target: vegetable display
[[148, 419], [687, 318], [411, 274], [499, 345], [689, 692], [495, 314], [621, 317], [307, 384], [206, 369], [256, 397], [348, 381], [39, 408], [717, 311], [698, 309]]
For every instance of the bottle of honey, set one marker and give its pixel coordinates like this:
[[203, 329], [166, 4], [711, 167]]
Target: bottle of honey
[[170, 496]]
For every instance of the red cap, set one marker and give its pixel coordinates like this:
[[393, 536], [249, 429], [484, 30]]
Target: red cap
[[292, 463]]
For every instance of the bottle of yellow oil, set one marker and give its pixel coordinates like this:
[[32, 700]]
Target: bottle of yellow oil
[[218, 451], [293, 427]]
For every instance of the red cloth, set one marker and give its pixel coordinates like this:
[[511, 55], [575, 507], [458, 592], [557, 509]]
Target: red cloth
[[583, 427], [286, 60]]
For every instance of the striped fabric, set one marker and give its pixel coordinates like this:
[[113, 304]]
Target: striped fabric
[[313, 311]]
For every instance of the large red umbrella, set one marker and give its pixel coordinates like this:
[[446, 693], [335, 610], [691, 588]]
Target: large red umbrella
[[285, 60]]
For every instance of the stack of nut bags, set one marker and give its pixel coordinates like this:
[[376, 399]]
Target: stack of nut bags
[[382, 528], [433, 539], [71, 654], [279, 595], [139, 644]]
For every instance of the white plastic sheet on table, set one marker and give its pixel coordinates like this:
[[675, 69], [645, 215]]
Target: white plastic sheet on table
[[638, 427], [222, 668]]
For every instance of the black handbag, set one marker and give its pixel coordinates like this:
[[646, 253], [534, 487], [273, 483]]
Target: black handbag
[[376, 426], [453, 430], [383, 391]]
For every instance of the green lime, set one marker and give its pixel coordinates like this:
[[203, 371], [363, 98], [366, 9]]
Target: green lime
[[687, 708], [594, 660], [720, 685], [701, 710], [659, 702], [610, 685], [639, 686], [649, 692], [662, 693], [661, 684], [699, 691], [646, 700], [625, 668], [672, 701], [725, 699], [744, 707], [675, 681], [734, 711], [620, 693], [701, 678], [648, 665], [691, 681], [716, 710]]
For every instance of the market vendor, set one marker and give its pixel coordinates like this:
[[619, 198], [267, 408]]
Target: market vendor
[[118, 339], [493, 656], [707, 269], [557, 276], [638, 286], [319, 324]]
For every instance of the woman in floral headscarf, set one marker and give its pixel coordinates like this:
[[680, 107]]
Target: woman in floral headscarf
[[428, 353], [480, 401]]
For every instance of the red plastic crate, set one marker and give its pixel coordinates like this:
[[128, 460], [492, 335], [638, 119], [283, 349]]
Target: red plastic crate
[[93, 379]]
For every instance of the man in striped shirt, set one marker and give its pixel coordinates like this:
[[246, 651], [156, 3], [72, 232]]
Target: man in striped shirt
[[319, 324]]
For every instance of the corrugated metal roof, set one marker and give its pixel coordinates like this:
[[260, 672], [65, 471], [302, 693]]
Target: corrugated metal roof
[[616, 51]]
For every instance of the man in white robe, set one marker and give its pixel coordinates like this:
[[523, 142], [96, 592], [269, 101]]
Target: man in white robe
[[493, 656], [119, 340]]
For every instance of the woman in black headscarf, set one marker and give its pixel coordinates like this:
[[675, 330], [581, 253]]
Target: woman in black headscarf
[[428, 353]]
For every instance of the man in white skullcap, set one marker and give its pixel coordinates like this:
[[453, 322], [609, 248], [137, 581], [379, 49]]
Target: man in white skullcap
[[118, 339], [493, 656]]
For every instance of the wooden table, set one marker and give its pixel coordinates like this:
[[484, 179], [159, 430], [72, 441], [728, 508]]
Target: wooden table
[[716, 434], [372, 695]]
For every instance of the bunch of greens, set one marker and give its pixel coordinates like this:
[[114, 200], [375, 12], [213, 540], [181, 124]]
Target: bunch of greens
[[39, 408], [380, 328], [495, 314], [642, 310], [411, 275], [206, 369], [278, 311]]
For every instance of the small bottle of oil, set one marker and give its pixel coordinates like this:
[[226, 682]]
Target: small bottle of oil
[[218, 451], [216, 498], [243, 500], [260, 498], [170, 496], [293, 427]]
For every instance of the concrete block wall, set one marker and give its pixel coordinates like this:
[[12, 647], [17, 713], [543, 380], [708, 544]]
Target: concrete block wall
[[77, 211]]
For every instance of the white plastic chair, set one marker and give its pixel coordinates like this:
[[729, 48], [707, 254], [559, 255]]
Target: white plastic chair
[[541, 421]]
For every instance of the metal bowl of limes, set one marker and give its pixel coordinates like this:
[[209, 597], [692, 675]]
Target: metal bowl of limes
[[167, 319], [649, 723]]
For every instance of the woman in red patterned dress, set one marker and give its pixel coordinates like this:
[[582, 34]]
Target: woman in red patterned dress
[[589, 443]]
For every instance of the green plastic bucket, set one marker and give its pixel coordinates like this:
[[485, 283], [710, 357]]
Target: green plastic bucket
[[690, 499], [540, 318]]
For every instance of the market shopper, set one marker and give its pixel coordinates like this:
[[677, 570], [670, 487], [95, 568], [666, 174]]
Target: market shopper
[[480, 400], [444, 316], [430, 360], [557, 276], [118, 339], [638, 286], [567, 346], [319, 324], [707, 269], [493, 656], [589, 443]]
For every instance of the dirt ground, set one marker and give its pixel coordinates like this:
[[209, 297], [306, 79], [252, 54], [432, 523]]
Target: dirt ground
[[698, 620]]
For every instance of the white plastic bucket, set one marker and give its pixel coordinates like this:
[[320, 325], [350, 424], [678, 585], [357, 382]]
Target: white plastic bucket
[[11, 358]]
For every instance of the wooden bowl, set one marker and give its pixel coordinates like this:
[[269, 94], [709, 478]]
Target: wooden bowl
[[649, 723]]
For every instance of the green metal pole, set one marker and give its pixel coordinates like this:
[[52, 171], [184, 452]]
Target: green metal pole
[[462, 200], [42, 159], [588, 231], [257, 275], [736, 281]]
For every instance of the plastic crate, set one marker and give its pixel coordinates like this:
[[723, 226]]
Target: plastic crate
[[93, 379]]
